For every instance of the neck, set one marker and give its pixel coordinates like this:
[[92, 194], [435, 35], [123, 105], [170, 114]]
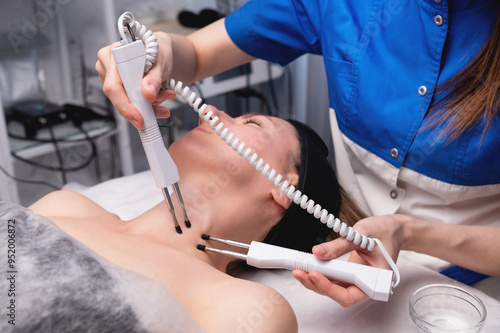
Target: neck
[[157, 225]]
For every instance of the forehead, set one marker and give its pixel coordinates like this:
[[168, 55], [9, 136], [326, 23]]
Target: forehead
[[275, 130], [279, 138], [285, 127]]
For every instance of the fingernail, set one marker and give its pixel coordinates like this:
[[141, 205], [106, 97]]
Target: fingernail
[[152, 88], [135, 123], [320, 249]]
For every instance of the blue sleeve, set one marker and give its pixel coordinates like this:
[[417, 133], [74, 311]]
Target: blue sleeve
[[276, 30]]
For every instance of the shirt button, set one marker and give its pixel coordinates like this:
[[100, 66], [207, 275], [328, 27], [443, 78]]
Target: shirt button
[[422, 90], [394, 194], [394, 153], [438, 19], [437, 1]]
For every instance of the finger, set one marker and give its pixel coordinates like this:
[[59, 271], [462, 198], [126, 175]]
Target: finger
[[333, 249], [150, 91], [163, 95], [151, 83], [161, 111], [345, 296], [105, 58], [303, 278], [100, 71], [113, 88], [128, 111]]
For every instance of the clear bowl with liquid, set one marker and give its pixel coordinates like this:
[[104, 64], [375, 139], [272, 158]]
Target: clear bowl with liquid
[[446, 308]]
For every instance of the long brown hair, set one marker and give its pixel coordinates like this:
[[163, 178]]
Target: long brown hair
[[349, 212], [472, 96]]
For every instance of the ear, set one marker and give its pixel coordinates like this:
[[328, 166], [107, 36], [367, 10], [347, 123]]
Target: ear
[[280, 198]]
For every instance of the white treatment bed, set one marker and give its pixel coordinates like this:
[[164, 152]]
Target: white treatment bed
[[130, 196]]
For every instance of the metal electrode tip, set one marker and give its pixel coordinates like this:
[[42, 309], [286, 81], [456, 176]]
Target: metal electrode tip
[[225, 252], [177, 191], [171, 209]]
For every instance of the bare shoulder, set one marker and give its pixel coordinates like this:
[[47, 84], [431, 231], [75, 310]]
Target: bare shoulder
[[67, 203], [263, 309]]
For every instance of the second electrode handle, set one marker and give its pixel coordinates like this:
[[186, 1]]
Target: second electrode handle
[[375, 282]]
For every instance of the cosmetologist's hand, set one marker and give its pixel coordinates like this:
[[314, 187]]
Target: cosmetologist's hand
[[113, 87], [388, 228]]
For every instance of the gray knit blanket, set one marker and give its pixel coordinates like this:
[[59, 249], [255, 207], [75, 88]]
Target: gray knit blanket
[[50, 282]]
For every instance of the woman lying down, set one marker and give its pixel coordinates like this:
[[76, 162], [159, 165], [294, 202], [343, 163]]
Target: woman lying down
[[82, 269]]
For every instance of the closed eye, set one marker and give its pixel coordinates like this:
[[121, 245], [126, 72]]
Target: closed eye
[[252, 121]]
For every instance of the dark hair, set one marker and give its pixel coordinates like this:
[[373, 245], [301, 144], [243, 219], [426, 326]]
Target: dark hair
[[298, 229]]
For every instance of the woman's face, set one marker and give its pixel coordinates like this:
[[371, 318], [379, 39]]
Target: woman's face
[[273, 139], [223, 181]]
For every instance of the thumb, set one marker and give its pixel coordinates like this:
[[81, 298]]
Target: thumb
[[333, 249], [151, 83]]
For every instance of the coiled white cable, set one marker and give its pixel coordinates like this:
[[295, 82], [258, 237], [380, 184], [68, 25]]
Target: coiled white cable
[[271, 174], [150, 41], [240, 147]]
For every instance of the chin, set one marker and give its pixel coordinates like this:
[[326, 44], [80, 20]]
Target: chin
[[181, 150], [185, 146]]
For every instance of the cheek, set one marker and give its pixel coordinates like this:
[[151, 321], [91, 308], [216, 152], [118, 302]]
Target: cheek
[[253, 136], [278, 160], [264, 138]]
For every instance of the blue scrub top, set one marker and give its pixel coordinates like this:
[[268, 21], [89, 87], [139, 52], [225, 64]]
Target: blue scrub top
[[383, 58]]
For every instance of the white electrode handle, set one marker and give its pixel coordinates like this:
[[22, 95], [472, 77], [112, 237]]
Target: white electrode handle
[[375, 282], [130, 60]]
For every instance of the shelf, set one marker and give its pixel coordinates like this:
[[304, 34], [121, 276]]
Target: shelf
[[67, 133]]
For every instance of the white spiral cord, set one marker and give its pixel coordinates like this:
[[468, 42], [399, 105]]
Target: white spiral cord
[[240, 147], [150, 41]]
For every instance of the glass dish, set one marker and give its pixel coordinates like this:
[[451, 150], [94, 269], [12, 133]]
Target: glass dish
[[446, 308]]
